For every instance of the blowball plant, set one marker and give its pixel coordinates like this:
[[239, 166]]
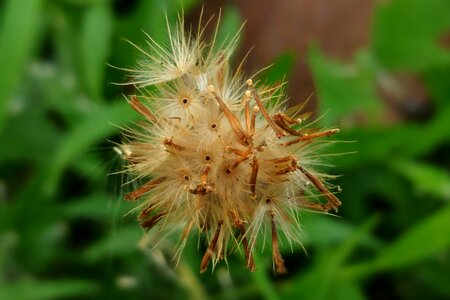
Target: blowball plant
[[218, 153]]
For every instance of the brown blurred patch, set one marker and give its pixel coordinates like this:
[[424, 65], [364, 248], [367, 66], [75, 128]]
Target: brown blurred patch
[[444, 40], [273, 27], [405, 96]]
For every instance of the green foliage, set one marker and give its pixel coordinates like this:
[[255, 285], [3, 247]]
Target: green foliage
[[345, 90], [95, 43], [406, 34], [281, 68], [37, 290], [17, 41], [426, 179], [66, 233], [229, 25], [433, 234]]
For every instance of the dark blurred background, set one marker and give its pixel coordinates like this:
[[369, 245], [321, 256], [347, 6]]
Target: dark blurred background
[[380, 70]]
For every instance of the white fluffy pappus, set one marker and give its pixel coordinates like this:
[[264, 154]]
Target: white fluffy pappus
[[219, 154]]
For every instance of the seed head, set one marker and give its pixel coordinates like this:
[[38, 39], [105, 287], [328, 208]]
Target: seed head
[[219, 154]]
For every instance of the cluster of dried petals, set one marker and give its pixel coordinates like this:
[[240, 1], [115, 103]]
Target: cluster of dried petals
[[219, 154]]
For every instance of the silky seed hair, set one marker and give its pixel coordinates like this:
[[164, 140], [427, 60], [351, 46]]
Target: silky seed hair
[[218, 154]]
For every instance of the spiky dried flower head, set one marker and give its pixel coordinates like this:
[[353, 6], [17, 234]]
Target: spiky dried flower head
[[219, 153]]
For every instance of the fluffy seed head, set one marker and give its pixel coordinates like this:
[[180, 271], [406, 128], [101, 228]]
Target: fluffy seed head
[[218, 154]]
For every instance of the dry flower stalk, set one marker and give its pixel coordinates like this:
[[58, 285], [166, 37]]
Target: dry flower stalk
[[217, 156]]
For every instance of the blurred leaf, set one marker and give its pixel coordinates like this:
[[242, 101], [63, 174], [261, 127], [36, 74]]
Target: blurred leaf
[[98, 206], [425, 178], [43, 229], [95, 45], [281, 68], [428, 238], [119, 242], [18, 35], [98, 125], [344, 91], [151, 16], [424, 240], [230, 24], [93, 168], [45, 290], [433, 276], [406, 33], [328, 264], [262, 280], [187, 5], [377, 144], [320, 231], [436, 80], [190, 281], [18, 140], [346, 290], [107, 209]]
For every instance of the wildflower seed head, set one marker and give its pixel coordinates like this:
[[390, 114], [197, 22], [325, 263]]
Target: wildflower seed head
[[217, 153]]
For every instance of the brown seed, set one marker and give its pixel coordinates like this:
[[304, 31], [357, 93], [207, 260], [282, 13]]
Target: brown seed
[[250, 262], [234, 122], [280, 122], [142, 109], [263, 110], [276, 256], [333, 200], [149, 223], [311, 136], [253, 177], [211, 249], [144, 189]]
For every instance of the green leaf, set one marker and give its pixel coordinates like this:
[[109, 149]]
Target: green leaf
[[406, 33], [327, 266], [45, 290], [98, 206], [230, 24], [425, 178], [119, 242], [344, 91], [377, 144], [346, 290], [150, 16], [19, 30], [426, 239], [321, 231], [95, 45], [281, 68], [436, 80], [262, 280], [18, 140], [95, 127]]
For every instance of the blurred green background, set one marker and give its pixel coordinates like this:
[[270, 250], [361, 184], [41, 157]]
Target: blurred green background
[[64, 229]]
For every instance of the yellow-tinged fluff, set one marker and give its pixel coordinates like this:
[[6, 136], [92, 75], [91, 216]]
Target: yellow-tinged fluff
[[218, 153]]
